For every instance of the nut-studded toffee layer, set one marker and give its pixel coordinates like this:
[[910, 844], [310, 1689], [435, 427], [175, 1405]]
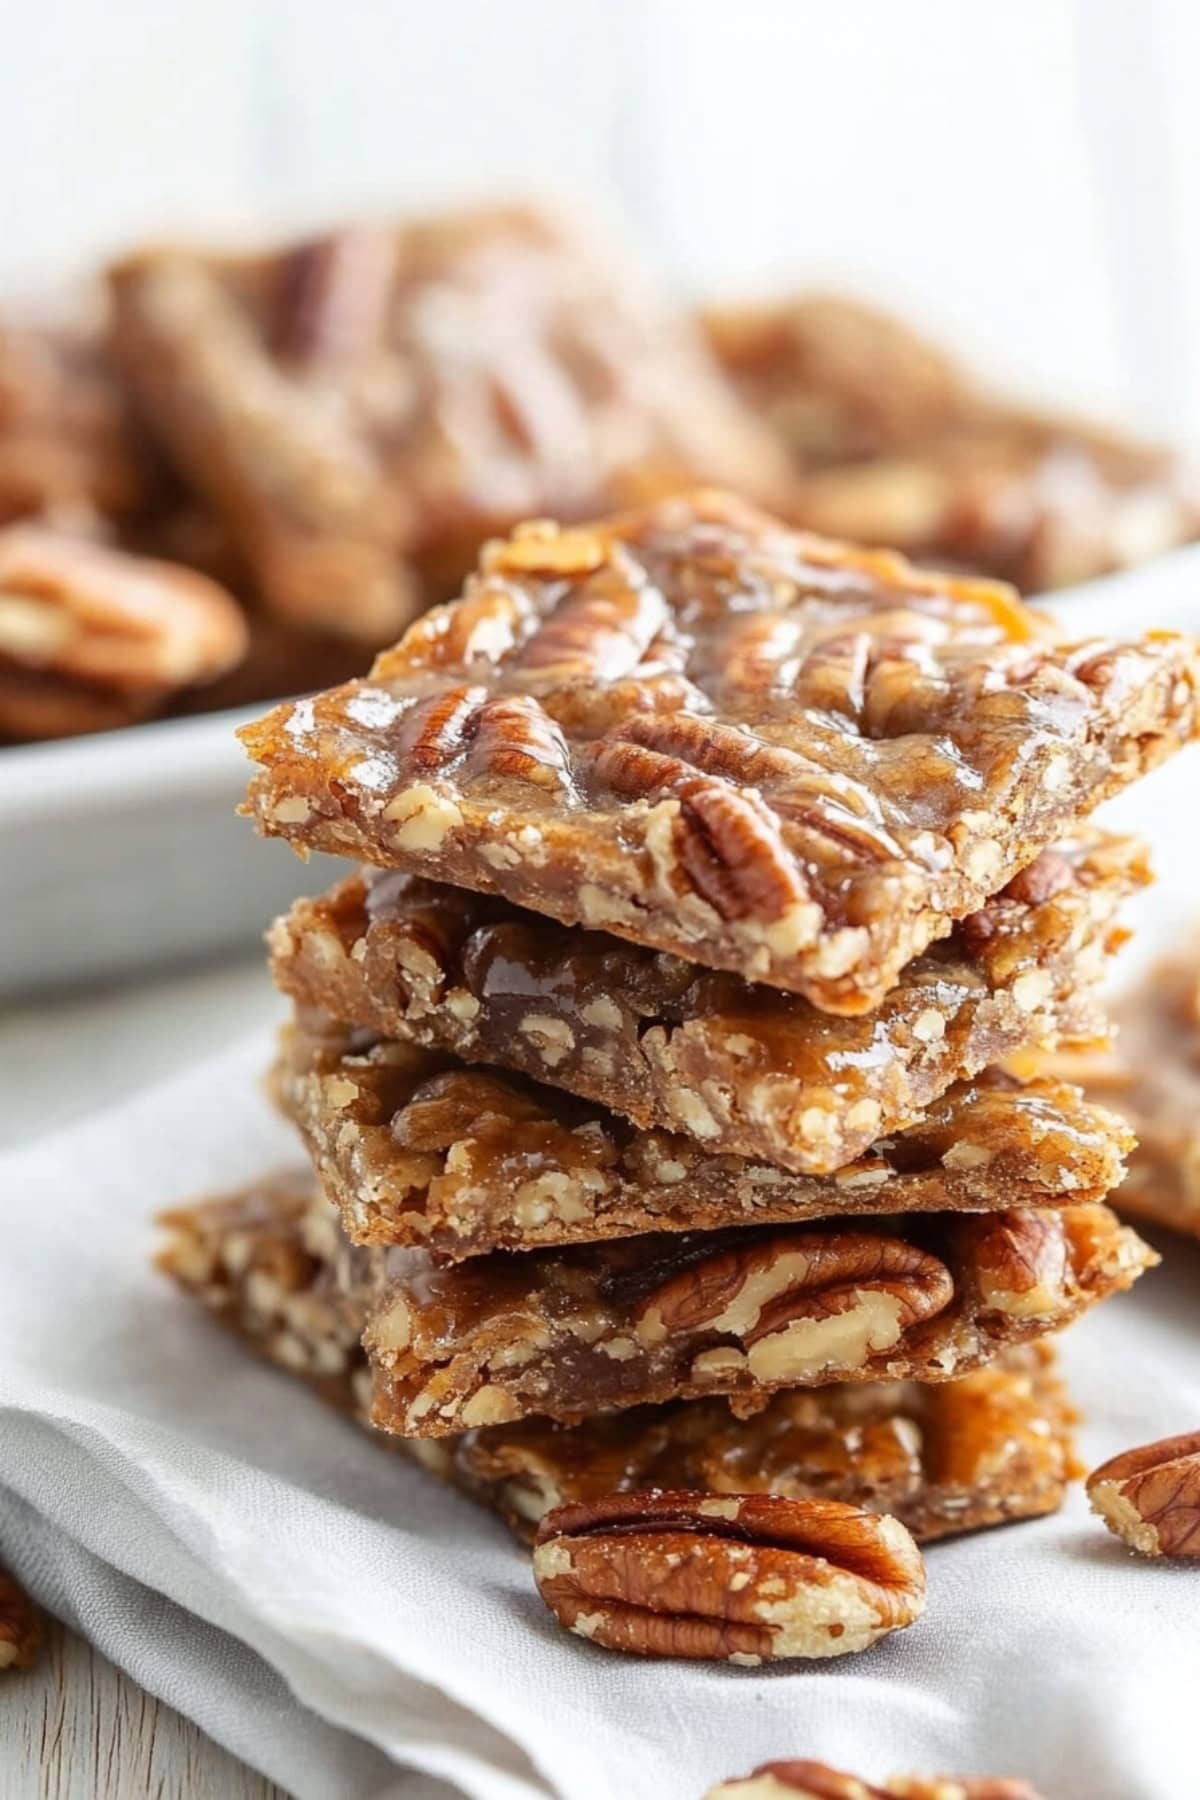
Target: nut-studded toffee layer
[[363, 409], [989, 1447], [416, 1149], [697, 730], [568, 1333], [740, 1068]]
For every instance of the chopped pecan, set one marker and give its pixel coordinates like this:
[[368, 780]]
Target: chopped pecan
[[705, 746], [1151, 1496], [801, 1303], [797, 1776], [457, 1104], [817, 1781], [1047, 875], [20, 1626], [745, 1579]]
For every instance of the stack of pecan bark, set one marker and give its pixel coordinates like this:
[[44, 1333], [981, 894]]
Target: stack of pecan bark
[[649, 1068]]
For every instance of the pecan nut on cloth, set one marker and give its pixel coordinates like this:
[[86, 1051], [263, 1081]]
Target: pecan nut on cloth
[[734, 1578]]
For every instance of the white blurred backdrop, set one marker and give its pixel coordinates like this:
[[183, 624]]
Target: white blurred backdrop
[[1024, 176]]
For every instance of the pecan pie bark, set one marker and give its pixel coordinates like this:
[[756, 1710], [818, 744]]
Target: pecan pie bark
[[839, 381], [1040, 502], [742, 1069], [990, 1447], [252, 1259], [699, 731], [567, 1333], [945, 1457], [364, 409], [91, 637], [416, 1149], [894, 443]]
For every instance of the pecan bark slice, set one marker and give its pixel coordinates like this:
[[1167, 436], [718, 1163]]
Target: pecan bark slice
[[801, 1303], [20, 1626], [745, 1579], [1150, 1497]]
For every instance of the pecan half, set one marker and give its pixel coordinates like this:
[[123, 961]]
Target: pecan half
[[436, 731], [729, 847], [514, 736], [20, 1626], [817, 1781], [734, 1578], [800, 1303], [601, 629], [1151, 1496]]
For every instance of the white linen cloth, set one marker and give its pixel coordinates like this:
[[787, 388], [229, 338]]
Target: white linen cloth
[[334, 1616]]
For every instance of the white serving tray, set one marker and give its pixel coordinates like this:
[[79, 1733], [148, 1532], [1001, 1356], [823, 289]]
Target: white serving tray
[[122, 852]]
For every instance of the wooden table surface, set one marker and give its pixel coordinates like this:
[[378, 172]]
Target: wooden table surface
[[74, 1727]]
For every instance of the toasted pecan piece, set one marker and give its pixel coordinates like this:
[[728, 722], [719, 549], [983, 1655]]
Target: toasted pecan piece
[[802, 1779], [1150, 1497], [20, 1626]]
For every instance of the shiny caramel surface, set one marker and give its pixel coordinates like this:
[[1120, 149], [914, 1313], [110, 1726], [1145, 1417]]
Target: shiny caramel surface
[[694, 729]]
